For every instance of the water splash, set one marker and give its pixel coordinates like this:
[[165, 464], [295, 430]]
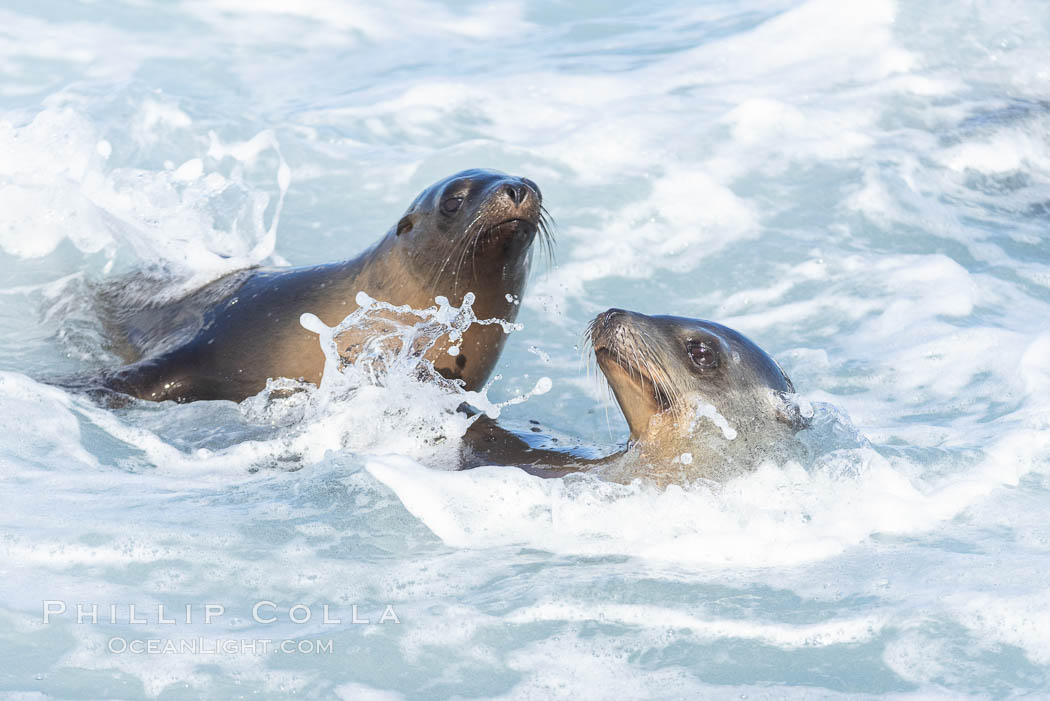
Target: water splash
[[385, 396], [392, 340], [708, 411]]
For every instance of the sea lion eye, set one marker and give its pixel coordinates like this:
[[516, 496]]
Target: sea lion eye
[[702, 354], [450, 205]]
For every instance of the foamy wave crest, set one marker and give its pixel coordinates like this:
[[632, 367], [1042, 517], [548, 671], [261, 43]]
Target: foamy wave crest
[[388, 399], [201, 218], [778, 515]]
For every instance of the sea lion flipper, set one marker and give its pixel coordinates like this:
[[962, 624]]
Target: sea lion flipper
[[487, 442]]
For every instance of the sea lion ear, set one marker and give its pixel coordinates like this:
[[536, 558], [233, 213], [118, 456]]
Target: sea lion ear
[[405, 225], [787, 409]]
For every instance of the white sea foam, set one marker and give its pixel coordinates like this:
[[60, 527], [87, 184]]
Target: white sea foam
[[60, 188], [777, 516], [816, 635]]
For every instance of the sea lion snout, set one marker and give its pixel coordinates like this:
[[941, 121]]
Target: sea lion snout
[[506, 214], [519, 190], [516, 192], [606, 330], [534, 187], [515, 198]]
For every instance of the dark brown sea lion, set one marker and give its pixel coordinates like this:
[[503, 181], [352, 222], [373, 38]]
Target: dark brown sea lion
[[471, 232], [702, 401]]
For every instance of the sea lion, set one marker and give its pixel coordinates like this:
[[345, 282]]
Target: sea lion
[[702, 401], [471, 232]]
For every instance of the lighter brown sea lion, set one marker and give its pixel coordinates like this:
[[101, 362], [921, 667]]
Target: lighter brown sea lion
[[702, 401]]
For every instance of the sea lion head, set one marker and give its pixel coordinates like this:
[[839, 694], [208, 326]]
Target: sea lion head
[[470, 232], [688, 386], [474, 228]]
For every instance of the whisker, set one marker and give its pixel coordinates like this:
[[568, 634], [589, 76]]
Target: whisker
[[471, 234], [456, 250], [467, 243], [546, 229]]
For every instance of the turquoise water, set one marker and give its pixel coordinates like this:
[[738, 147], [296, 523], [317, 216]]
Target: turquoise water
[[862, 188]]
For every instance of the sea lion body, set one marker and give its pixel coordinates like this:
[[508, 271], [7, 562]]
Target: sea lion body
[[471, 232]]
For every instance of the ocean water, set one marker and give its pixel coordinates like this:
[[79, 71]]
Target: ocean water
[[861, 187]]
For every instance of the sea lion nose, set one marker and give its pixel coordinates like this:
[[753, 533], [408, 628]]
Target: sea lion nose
[[517, 192], [534, 187], [610, 316]]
